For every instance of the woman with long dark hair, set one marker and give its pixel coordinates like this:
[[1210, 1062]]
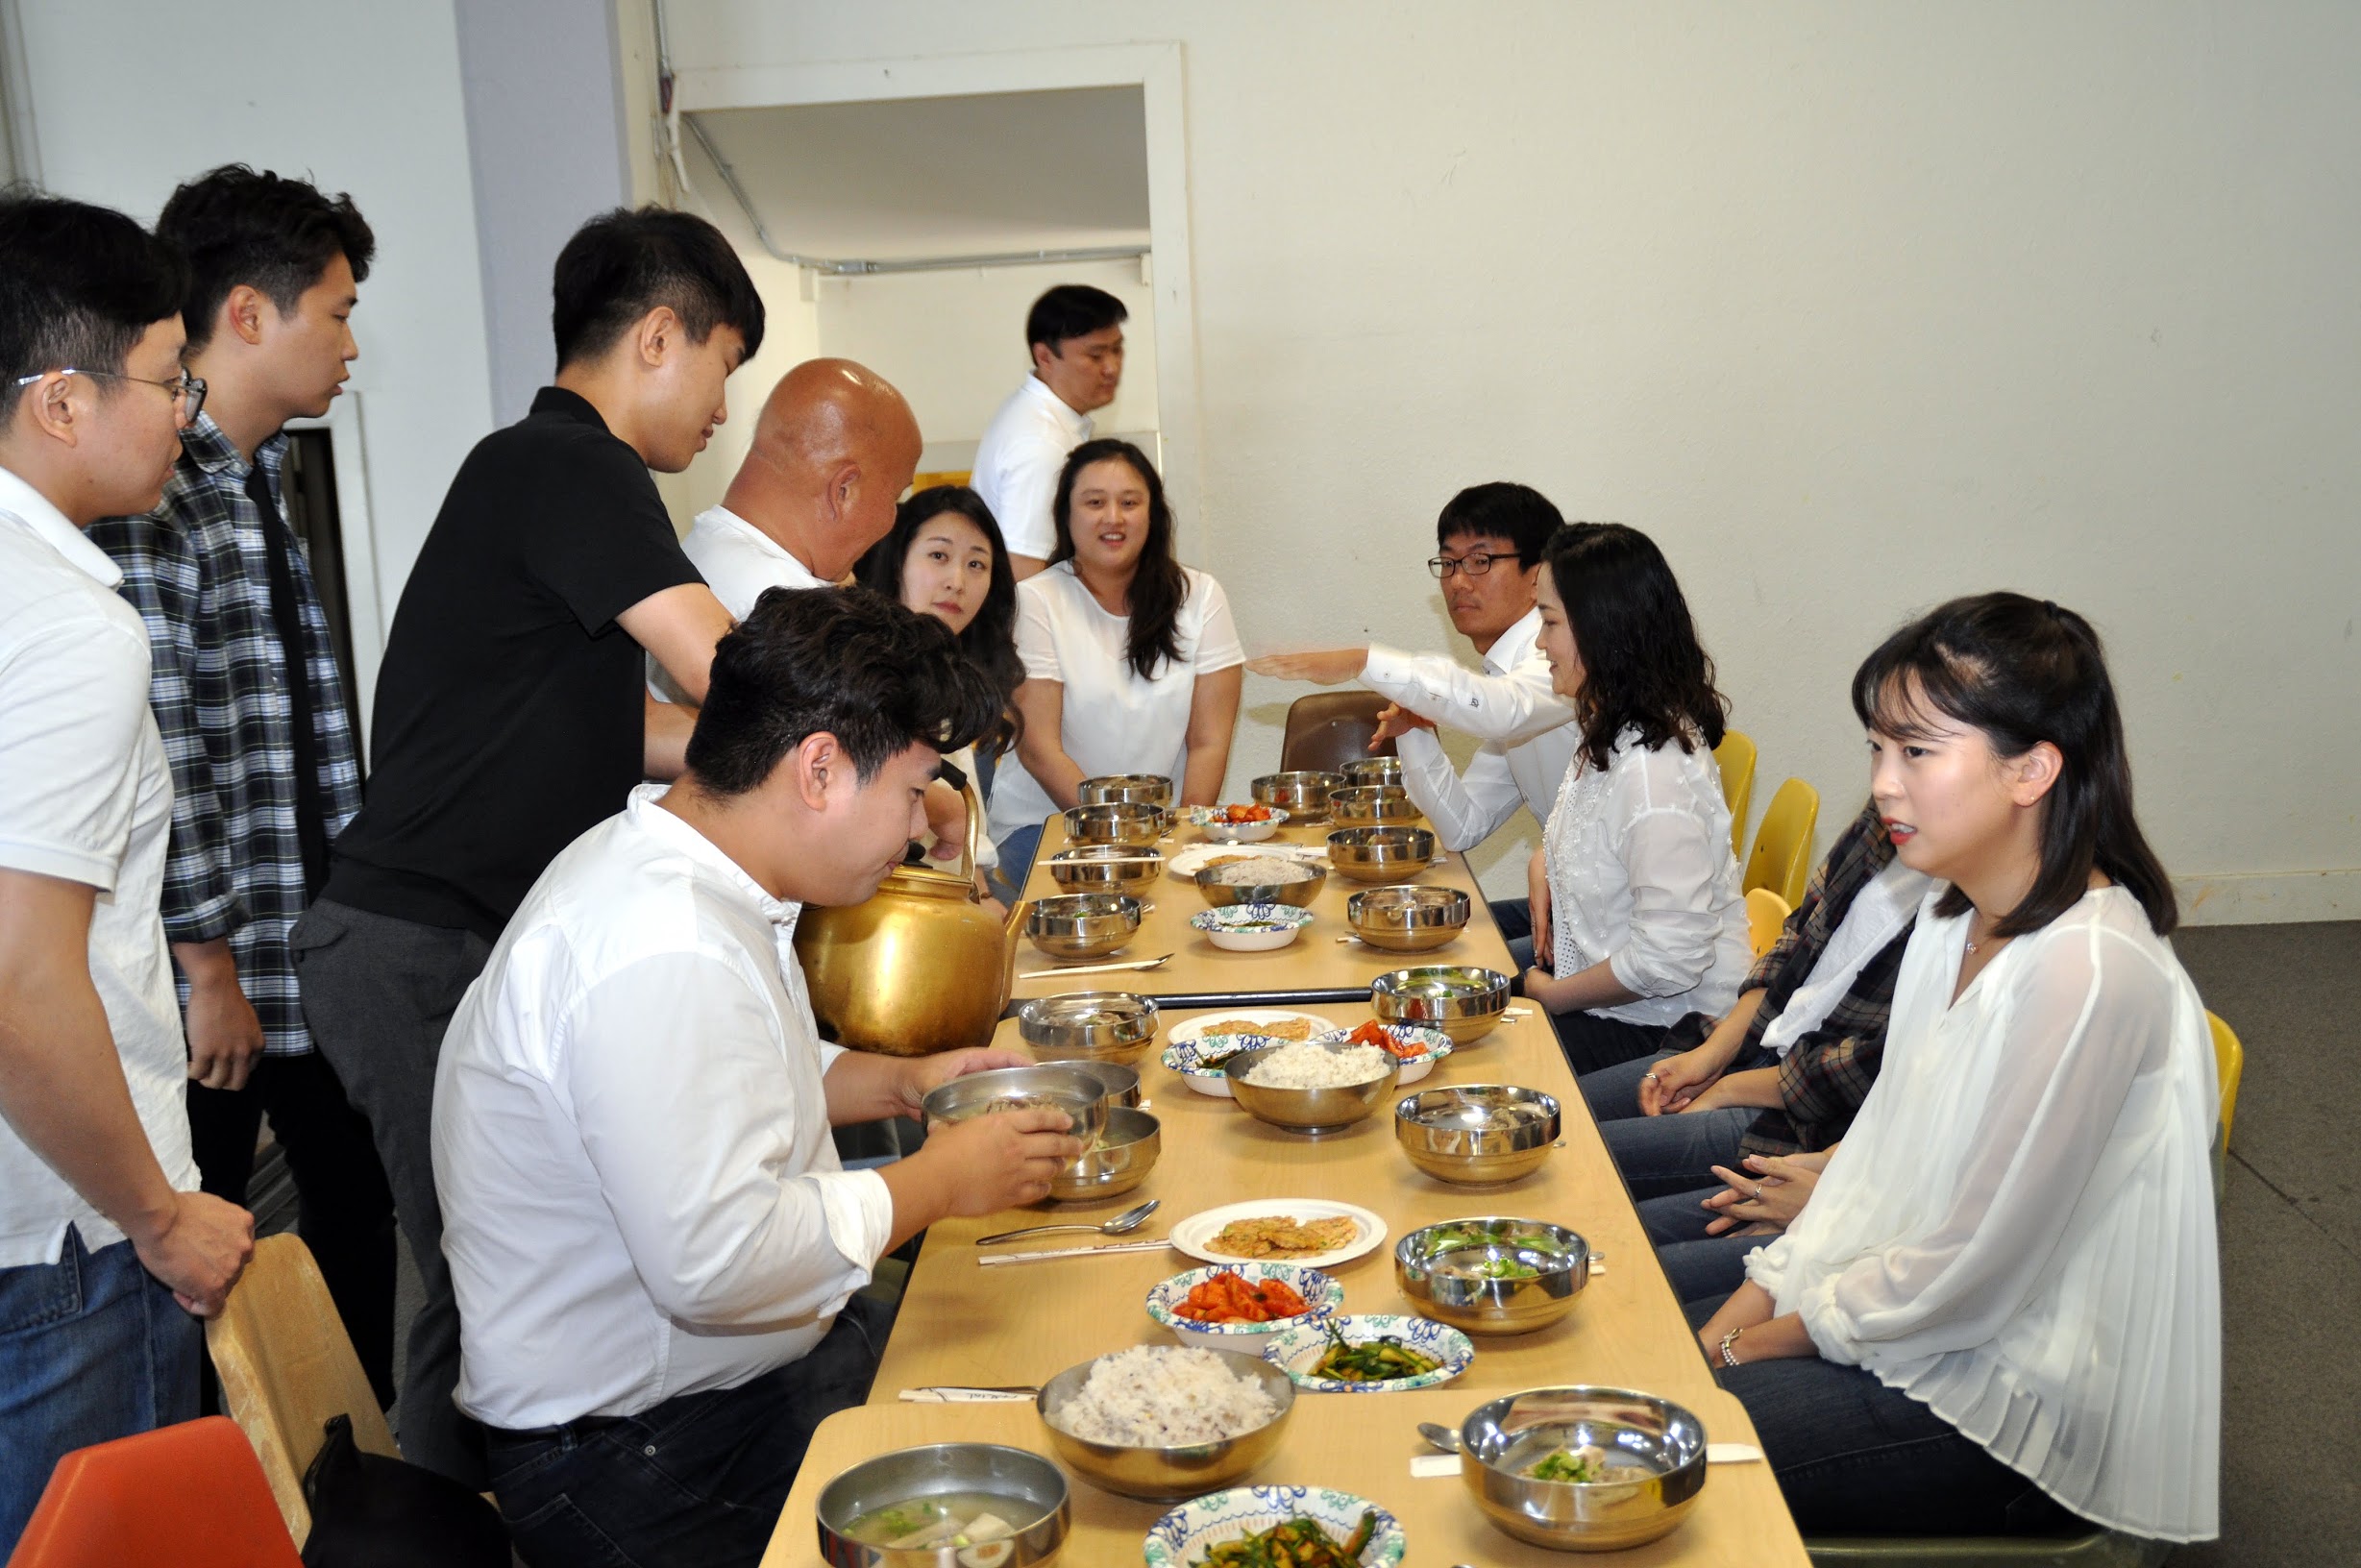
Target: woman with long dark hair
[[2003, 1301], [1636, 915], [1132, 664], [944, 558]]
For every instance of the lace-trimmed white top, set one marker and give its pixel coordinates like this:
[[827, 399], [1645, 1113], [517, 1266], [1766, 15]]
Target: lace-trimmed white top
[[1641, 877], [2018, 1231]]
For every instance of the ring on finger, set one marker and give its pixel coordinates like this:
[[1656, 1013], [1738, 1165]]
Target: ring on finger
[[1757, 1191]]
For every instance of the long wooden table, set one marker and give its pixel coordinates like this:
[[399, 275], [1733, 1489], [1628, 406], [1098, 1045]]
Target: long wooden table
[[965, 1324]]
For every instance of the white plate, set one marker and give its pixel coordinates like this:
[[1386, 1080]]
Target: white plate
[[1194, 1028], [1187, 861], [1190, 1236]]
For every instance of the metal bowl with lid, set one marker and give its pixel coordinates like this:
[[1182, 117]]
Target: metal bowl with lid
[[1460, 999], [1082, 925], [1370, 805], [1116, 821], [1493, 1274], [1409, 919], [1364, 770], [1095, 1025], [1106, 867], [1477, 1134], [1034, 1489], [1129, 788], [1380, 854], [1302, 795], [1650, 1452]]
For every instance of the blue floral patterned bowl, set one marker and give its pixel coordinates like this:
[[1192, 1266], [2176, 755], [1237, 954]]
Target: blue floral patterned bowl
[[1295, 1350], [1432, 1045], [1251, 928], [1184, 1536], [1200, 1061], [1321, 1293]]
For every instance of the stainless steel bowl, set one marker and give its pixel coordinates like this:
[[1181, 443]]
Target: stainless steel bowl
[[1090, 1025], [1119, 1161], [1438, 1267], [1167, 1475], [1127, 789], [1070, 1086], [1125, 822], [1300, 894], [1365, 771], [910, 1474], [1477, 1134], [1121, 1083], [1409, 919], [1460, 999], [1380, 854], [1306, 1109], [1106, 867], [1302, 795], [1657, 1456], [1370, 805], [1082, 925]]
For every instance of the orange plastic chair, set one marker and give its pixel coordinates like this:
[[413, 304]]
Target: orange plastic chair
[[191, 1495], [1735, 758], [1781, 859], [1766, 911], [1328, 730]]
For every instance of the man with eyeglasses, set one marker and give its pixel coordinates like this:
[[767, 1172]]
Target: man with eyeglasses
[[106, 1247], [252, 704], [1490, 539]]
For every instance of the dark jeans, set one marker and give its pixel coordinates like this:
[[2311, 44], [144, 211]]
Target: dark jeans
[[1665, 1154], [346, 1212], [696, 1482], [377, 994], [1514, 917], [92, 1348], [1592, 1042], [1708, 1267]]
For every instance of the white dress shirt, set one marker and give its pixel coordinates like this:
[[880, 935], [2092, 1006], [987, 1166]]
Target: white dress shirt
[[1528, 731], [1110, 721], [641, 1198], [2018, 1231], [85, 795], [738, 562], [1018, 463], [1641, 877]]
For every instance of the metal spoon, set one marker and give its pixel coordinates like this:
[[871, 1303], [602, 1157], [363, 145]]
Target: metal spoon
[[1130, 1219], [1446, 1439]]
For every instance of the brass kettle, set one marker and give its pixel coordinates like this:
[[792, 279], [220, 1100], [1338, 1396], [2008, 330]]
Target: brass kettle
[[922, 966]]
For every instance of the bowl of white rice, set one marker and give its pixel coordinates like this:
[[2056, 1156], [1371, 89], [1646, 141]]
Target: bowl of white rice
[[1312, 1086], [1166, 1422]]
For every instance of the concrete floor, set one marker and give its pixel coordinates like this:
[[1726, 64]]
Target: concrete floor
[[2291, 1245]]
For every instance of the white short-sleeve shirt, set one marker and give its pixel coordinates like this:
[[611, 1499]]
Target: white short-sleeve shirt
[[738, 562], [1110, 720], [1018, 463], [85, 795]]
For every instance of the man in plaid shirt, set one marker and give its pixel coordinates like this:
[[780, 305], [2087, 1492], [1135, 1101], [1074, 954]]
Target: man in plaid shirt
[[251, 708]]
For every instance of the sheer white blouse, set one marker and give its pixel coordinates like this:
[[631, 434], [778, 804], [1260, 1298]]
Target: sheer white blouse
[[2018, 1231], [1641, 877]]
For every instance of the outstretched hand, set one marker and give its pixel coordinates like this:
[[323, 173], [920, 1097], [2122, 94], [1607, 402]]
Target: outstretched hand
[[1326, 666]]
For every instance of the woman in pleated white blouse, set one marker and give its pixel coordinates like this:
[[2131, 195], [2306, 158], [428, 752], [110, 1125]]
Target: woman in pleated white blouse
[[1637, 915], [2002, 1305]]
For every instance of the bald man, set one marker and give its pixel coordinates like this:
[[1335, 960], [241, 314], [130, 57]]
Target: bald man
[[835, 448]]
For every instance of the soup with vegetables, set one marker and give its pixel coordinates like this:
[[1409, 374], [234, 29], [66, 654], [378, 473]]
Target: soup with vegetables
[[947, 1519]]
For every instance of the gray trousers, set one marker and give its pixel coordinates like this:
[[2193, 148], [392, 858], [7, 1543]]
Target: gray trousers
[[378, 994]]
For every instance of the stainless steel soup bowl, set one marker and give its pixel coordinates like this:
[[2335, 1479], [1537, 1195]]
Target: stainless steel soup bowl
[[1082, 925], [1409, 919], [1366, 770], [1106, 867], [1370, 805], [1380, 854], [1118, 1162], [1437, 1268], [1114, 821], [1656, 1448], [1477, 1134], [907, 1475], [1303, 795], [1460, 999], [1089, 1025], [1070, 1086]]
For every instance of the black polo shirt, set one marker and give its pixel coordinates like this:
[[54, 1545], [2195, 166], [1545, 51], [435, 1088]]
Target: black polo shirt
[[510, 714]]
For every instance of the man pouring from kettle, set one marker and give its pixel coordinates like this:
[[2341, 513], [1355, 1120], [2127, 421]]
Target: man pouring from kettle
[[655, 1247]]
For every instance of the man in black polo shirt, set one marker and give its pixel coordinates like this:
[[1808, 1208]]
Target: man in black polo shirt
[[512, 711]]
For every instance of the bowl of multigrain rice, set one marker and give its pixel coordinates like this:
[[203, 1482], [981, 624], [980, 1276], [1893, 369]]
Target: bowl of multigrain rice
[[1247, 878], [1310, 1085], [1166, 1422]]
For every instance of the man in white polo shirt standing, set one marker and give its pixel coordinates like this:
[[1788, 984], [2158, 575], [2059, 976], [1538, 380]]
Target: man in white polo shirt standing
[[1076, 334], [106, 1246]]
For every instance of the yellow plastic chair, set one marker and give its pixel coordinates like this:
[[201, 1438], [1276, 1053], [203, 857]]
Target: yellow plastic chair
[[1766, 911], [2230, 1061], [947, 475], [1781, 859], [1736, 757]]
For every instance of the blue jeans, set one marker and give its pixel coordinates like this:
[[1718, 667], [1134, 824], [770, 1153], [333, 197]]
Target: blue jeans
[[1017, 852], [1514, 917], [1660, 1156], [698, 1482], [92, 1348]]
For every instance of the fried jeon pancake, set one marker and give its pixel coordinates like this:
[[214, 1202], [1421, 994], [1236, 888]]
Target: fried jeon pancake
[[1283, 1236]]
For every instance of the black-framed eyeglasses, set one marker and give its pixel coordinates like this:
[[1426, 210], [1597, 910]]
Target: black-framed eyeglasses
[[187, 391], [1475, 563]]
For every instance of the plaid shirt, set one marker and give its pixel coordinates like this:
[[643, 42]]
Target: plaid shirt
[[197, 569]]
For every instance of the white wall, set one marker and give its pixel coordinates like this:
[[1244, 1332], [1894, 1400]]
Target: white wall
[[790, 335], [131, 97], [1854, 306]]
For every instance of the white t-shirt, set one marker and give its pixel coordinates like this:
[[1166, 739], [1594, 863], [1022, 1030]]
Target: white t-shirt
[[85, 795], [738, 562], [2018, 1230], [641, 1198], [1111, 722], [1018, 463]]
